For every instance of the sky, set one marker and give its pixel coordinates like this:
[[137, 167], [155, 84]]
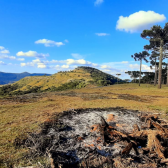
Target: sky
[[48, 36]]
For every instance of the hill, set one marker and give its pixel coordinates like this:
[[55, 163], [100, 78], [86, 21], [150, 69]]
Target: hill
[[75, 79], [7, 78]]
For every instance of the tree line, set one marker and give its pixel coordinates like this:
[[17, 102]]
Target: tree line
[[158, 45]]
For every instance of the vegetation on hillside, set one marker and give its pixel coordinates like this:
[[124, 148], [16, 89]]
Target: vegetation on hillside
[[76, 84], [100, 78], [76, 79]]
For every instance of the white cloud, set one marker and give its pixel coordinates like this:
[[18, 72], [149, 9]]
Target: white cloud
[[139, 21], [70, 61], [109, 69], [7, 57], [31, 54], [106, 70], [54, 61], [37, 60], [11, 58], [41, 65], [80, 61], [4, 55], [2, 48], [2, 63], [22, 64], [49, 43], [98, 2], [137, 67], [134, 66], [4, 51], [77, 56], [20, 59], [27, 54], [94, 65], [102, 34], [124, 62], [57, 66], [65, 66], [105, 66], [66, 41], [33, 63]]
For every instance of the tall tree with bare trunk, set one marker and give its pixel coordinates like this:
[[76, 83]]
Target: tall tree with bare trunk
[[166, 56], [139, 57], [133, 74], [153, 57], [158, 37]]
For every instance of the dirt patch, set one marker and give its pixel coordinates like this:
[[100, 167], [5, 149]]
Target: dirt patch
[[134, 97], [84, 96], [27, 98]]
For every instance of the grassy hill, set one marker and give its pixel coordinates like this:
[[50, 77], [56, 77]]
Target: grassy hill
[[78, 78]]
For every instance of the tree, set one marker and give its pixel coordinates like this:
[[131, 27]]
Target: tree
[[127, 80], [166, 56], [133, 74], [139, 57], [157, 37], [118, 75], [148, 76], [154, 56]]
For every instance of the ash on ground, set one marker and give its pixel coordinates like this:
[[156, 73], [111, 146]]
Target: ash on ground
[[114, 137]]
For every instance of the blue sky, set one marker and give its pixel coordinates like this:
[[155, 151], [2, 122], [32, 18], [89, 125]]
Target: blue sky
[[47, 36]]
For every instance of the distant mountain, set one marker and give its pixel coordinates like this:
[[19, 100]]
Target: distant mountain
[[7, 78]]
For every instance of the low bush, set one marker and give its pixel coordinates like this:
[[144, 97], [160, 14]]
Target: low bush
[[76, 84]]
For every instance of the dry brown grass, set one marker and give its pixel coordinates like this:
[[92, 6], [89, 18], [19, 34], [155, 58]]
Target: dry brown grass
[[18, 118]]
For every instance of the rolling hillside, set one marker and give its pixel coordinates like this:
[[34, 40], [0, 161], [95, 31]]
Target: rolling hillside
[[75, 79]]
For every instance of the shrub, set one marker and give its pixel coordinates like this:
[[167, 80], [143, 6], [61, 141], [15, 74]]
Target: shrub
[[7, 89], [76, 84]]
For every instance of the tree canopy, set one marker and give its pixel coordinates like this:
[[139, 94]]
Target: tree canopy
[[158, 38]]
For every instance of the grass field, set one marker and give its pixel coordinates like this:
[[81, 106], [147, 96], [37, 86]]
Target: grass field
[[23, 114]]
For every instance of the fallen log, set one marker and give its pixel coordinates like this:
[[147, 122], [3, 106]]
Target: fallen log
[[158, 126], [164, 161], [153, 143], [127, 149]]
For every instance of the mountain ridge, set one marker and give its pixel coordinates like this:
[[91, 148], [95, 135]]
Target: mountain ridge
[[8, 78]]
